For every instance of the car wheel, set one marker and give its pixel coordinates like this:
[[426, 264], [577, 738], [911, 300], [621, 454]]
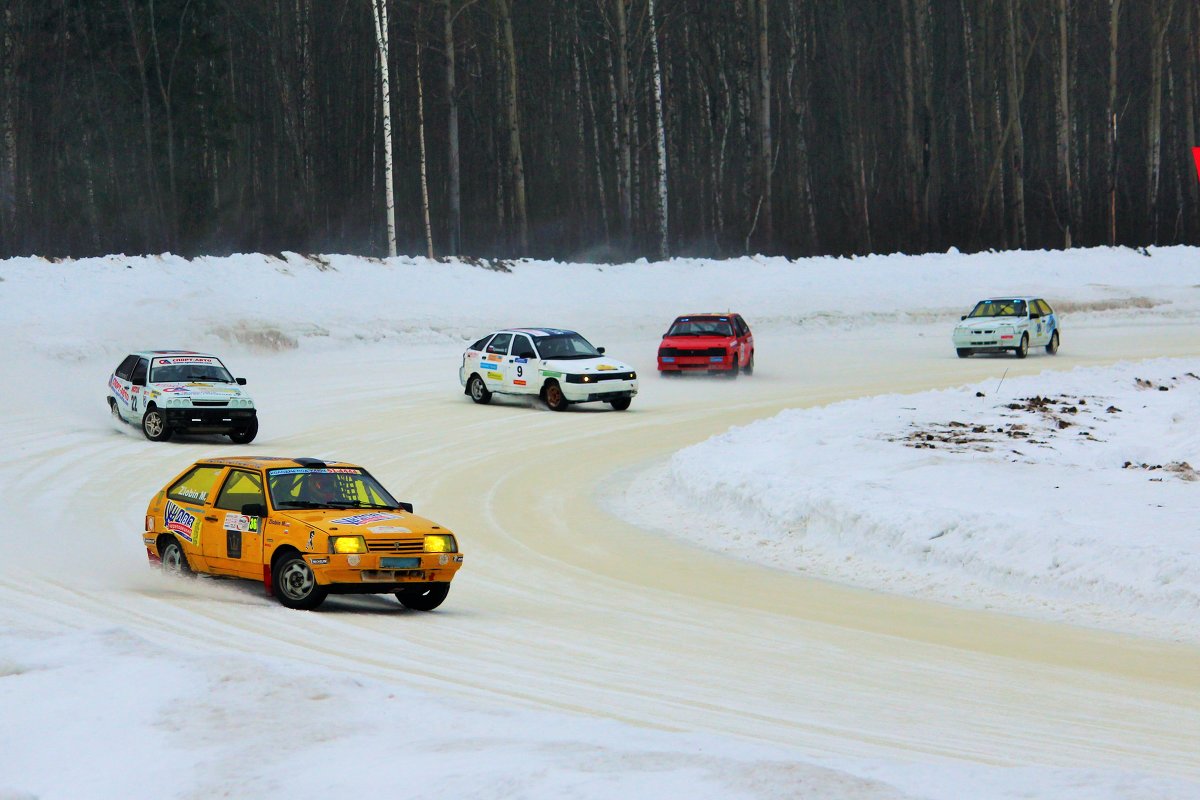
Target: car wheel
[[555, 398], [154, 425], [295, 584], [423, 598], [733, 370], [479, 393], [749, 368], [620, 404], [963, 352], [174, 562], [1023, 350], [112, 409], [1052, 347], [245, 434]]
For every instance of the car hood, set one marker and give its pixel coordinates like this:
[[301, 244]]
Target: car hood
[[368, 522], [982, 322], [696, 342], [199, 391], [586, 366]]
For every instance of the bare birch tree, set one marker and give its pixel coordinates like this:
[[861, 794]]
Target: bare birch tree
[[380, 15], [664, 245]]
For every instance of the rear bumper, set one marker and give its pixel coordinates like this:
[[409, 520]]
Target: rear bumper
[[695, 363]]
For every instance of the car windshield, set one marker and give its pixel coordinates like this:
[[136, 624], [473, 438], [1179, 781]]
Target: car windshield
[[999, 308], [701, 326], [566, 345], [327, 487], [187, 370]]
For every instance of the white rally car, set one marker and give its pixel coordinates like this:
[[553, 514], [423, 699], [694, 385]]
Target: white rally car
[[559, 366], [169, 391], [1007, 323]]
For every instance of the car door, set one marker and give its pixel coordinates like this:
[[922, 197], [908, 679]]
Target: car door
[[239, 510], [745, 339], [1038, 333], [1049, 318], [189, 504], [137, 388], [492, 363], [522, 368], [120, 387]]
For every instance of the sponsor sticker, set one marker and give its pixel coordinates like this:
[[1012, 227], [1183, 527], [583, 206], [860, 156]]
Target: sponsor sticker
[[318, 561], [309, 470], [496, 376], [605, 368], [364, 519], [548, 373], [521, 360], [389, 529], [184, 360], [119, 389], [236, 522], [179, 520], [518, 382]]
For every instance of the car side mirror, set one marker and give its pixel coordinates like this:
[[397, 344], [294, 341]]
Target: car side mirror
[[600, 350], [240, 381], [407, 507], [964, 316], [254, 509], [1035, 316]]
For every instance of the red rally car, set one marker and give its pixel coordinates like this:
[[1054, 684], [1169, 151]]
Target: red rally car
[[707, 343]]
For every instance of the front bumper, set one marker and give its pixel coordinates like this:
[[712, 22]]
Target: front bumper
[[987, 341], [375, 573], [209, 419], [695, 363], [601, 391]]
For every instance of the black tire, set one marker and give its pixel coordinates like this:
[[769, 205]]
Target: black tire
[[733, 370], [174, 562], [295, 584], [112, 409], [1052, 347], [154, 425], [423, 598], [963, 352], [1023, 349], [245, 434], [479, 393], [620, 404], [749, 368], [554, 397]]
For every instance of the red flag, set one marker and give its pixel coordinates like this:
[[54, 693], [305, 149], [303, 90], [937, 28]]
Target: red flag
[[1196, 155]]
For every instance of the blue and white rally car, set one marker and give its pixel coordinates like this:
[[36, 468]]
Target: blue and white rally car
[[1007, 323], [178, 391], [559, 366]]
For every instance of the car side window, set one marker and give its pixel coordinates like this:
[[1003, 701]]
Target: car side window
[[241, 488], [196, 485], [479, 345], [499, 345], [742, 328], [125, 368], [138, 378], [523, 348], [1045, 308]]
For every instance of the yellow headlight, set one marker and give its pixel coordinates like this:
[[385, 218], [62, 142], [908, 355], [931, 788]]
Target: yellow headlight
[[347, 544], [440, 543]]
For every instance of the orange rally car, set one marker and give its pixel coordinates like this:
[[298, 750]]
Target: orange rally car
[[306, 528]]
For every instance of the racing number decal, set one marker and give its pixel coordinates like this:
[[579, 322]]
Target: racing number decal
[[520, 371]]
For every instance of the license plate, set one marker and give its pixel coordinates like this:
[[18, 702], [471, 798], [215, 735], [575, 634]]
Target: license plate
[[399, 563]]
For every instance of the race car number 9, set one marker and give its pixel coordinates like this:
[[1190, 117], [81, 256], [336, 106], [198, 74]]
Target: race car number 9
[[520, 371]]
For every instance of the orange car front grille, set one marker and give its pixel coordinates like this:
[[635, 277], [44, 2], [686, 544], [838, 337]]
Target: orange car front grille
[[396, 545]]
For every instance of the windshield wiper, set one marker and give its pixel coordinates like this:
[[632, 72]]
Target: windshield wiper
[[356, 504], [214, 378], [301, 504]]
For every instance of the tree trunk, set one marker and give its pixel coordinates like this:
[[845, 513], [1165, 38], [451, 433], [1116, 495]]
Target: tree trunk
[[1062, 126], [762, 89], [1017, 139], [421, 149], [515, 159], [8, 133], [664, 245], [1110, 119], [1160, 21], [380, 15], [624, 108], [453, 166]]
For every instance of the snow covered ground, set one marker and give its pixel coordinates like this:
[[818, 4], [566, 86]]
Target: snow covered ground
[[531, 683]]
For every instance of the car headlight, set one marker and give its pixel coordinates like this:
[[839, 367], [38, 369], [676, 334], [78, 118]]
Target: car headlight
[[347, 544], [440, 543], [178, 402], [242, 402]]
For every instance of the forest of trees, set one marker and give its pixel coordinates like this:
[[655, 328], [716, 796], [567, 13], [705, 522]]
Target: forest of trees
[[597, 129]]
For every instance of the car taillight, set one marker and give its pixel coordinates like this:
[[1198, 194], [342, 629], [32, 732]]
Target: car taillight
[[149, 523]]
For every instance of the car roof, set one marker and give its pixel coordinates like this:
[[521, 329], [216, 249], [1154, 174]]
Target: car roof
[[1026, 297], [536, 332], [709, 314], [171, 353], [276, 462]]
